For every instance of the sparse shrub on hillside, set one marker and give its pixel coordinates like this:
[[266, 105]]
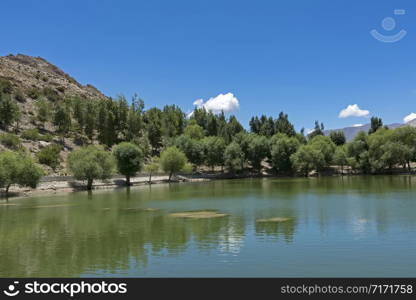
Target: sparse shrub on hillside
[[31, 134], [47, 137], [51, 94], [5, 86], [49, 155], [34, 92], [43, 110], [11, 141], [19, 95], [9, 111]]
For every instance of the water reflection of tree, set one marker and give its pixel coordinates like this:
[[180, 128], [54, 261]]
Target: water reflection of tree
[[70, 241], [285, 229]]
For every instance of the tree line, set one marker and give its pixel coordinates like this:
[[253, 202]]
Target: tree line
[[133, 139]]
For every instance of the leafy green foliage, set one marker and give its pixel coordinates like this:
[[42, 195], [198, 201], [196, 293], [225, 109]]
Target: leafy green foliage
[[90, 163], [282, 148], [193, 148], [9, 111], [49, 155], [338, 137], [172, 160], [214, 148], [129, 159], [18, 168], [234, 157], [194, 131], [11, 141]]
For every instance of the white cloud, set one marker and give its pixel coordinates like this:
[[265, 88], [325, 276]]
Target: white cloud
[[223, 102], [357, 125], [353, 110], [409, 117]]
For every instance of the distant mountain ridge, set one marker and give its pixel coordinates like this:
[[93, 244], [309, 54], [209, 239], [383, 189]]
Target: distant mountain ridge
[[351, 132]]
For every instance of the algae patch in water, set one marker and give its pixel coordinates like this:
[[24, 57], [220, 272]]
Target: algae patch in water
[[149, 209], [200, 214], [50, 206], [274, 220]]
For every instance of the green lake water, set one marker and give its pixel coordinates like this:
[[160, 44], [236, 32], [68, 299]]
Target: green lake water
[[337, 227]]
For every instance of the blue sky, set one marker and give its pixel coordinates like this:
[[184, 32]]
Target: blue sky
[[310, 59]]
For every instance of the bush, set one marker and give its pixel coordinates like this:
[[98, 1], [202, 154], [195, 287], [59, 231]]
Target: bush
[[49, 156], [5, 86], [34, 93], [31, 134], [11, 141], [19, 96], [51, 94], [47, 137]]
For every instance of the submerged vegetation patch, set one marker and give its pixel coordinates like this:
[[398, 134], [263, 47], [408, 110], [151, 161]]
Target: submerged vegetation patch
[[148, 209], [199, 214]]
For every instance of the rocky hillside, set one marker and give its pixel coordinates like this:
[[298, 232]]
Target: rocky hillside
[[26, 79], [27, 74]]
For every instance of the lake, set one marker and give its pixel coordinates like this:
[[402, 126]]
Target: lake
[[330, 227]]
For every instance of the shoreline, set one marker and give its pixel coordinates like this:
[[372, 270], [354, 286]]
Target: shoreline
[[66, 184]]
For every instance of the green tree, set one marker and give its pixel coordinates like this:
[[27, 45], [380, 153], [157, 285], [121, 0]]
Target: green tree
[[172, 160], [214, 148], [9, 111], [376, 141], [194, 131], [90, 163], [376, 123], [338, 137], [135, 119], [282, 125], [234, 157], [153, 120], [152, 167], [325, 146], [18, 168], [255, 125], [406, 135], [129, 159], [340, 157], [281, 150], [193, 149], [121, 114], [228, 130], [62, 119], [43, 110], [90, 119], [256, 149], [79, 112], [318, 130], [357, 152], [306, 159], [173, 121]]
